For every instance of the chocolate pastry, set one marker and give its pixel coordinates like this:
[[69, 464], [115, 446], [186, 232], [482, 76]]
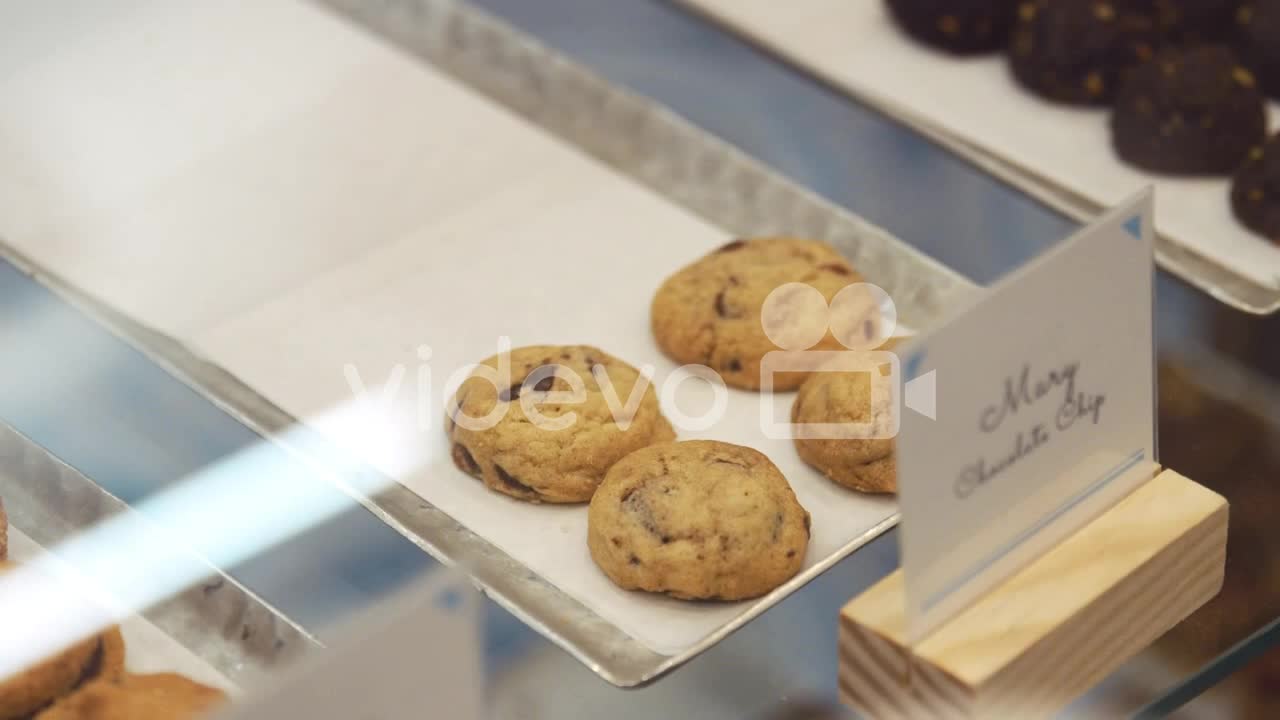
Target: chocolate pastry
[[1255, 194], [962, 27], [1077, 52], [1258, 41], [1189, 22], [1189, 112]]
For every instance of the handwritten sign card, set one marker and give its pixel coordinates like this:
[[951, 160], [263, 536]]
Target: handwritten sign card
[[1044, 415]]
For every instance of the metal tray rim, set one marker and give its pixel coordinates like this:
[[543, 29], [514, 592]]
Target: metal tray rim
[[225, 603]]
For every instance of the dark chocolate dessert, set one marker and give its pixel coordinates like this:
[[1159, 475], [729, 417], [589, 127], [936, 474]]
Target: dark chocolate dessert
[[962, 27], [1258, 41], [1189, 112], [1255, 194], [1077, 52]]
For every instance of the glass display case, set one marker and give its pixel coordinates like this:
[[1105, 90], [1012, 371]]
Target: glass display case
[[212, 217]]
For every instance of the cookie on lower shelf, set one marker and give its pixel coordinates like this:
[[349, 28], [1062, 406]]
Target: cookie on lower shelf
[[962, 27], [1189, 112], [697, 520], [516, 424], [1255, 193], [1077, 52], [864, 460], [1258, 41], [712, 312], [98, 657], [162, 696]]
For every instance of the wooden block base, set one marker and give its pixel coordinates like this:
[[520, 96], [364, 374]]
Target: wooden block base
[[1053, 630]]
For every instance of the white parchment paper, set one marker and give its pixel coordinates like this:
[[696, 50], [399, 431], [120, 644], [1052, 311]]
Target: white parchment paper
[[306, 206]]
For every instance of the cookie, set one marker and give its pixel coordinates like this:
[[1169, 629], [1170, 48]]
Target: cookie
[[863, 464], [542, 445], [1077, 52], [962, 27], [41, 684], [163, 696], [1189, 112], [1258, 41], [110, 661], [1255, 193], [700, 520], [709, 312]]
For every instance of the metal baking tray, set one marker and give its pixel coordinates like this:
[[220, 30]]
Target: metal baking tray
[[650, 145], [217, 619]]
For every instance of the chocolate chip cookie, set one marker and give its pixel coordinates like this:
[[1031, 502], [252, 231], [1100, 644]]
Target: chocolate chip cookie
[[863, 464], [1189, 112], [709, 313], [162, 696], [700, 520], [962, 27], [544, 423], [1255, 194], [1076, 52]]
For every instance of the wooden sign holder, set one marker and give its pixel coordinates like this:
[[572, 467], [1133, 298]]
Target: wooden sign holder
[[1054, 629]]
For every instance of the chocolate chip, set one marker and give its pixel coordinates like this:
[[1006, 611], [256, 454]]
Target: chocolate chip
[[564, 356], [791, 553], [462, 458], [721, 310], [730, 247], [617, 542], [545, 383], [511, 393], [733, 280], [666, 539], [734, 365], [634, 560], [627, 495], [511, 482], [837, 268]]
